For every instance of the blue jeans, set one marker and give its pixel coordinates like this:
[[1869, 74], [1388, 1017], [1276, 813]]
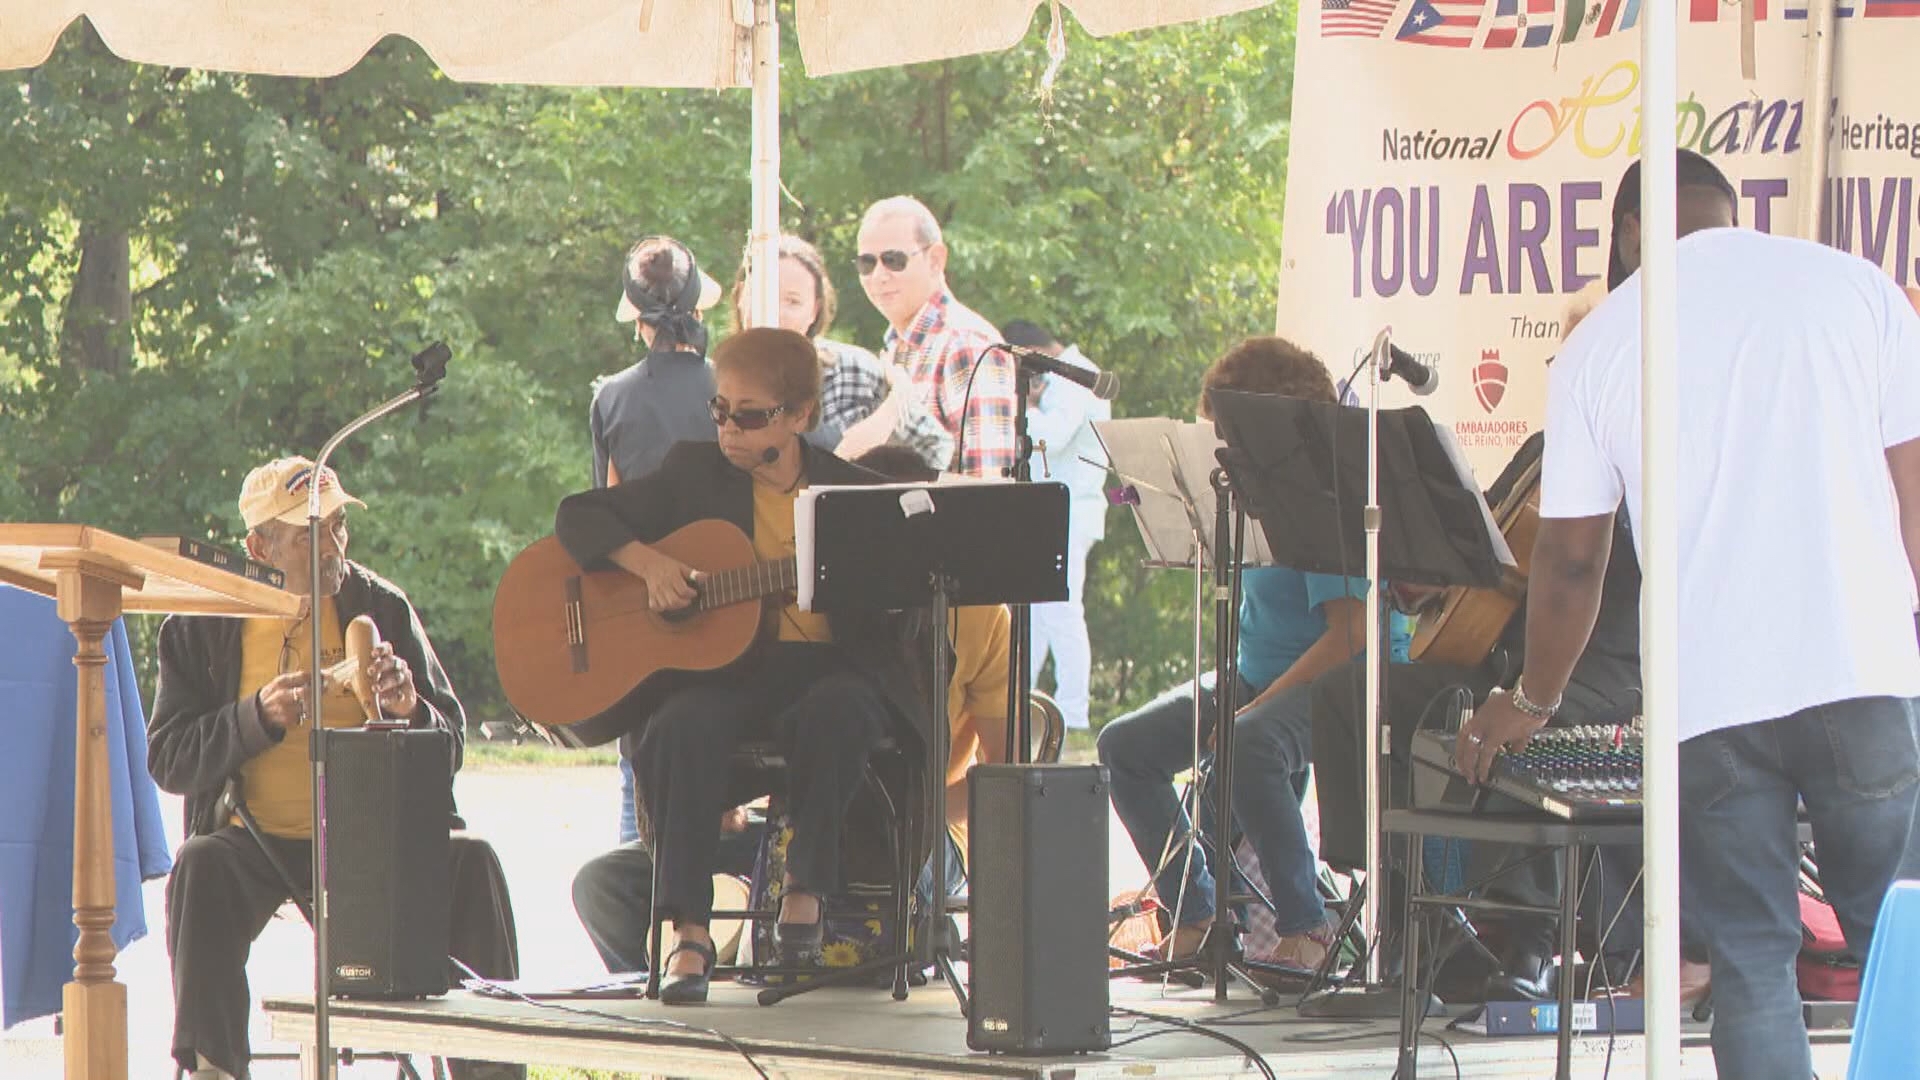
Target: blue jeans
[[1272, 754], [629, 817], [1856, 765]]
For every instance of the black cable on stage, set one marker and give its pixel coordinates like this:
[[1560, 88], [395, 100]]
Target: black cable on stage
[[1180, 1025], [492, 987]]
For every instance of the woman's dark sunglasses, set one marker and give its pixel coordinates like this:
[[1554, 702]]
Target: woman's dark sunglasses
[[893, 259], [744, 419]]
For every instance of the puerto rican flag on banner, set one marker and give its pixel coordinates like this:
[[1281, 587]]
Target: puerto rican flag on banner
[[1527, 29], [1355, 18], [1447, 23]]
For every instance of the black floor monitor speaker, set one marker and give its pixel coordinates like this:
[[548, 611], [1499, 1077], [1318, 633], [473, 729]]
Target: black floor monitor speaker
[[1037, 882], [388, 816]]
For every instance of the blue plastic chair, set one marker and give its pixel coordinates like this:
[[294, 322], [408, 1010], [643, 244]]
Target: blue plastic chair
[[1886, 1039]]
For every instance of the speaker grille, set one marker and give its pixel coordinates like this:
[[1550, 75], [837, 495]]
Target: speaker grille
[[387, 862], [1038, 908]]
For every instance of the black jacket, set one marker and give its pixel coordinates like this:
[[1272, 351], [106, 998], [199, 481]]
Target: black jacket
[[696, 482], [202, 730]]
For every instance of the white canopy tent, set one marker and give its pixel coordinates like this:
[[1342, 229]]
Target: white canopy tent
[[734, 43], [711, 44]]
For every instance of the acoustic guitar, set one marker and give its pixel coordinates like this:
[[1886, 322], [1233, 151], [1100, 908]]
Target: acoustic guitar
[[570, 644], [1466, 622]]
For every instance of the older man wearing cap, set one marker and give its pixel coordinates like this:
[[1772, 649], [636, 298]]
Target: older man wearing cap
[[641, 412], [231, 709]]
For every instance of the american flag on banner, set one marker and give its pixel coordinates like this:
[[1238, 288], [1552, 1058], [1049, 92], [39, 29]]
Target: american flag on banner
[[1527, 29], [1447, 23], [1355, 18]]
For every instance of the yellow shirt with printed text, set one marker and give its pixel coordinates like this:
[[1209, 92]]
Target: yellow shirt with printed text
[[277, 783]]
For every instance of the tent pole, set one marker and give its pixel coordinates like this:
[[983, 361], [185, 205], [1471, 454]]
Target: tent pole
[[763, 302], [1659, 596], [1820, 33]]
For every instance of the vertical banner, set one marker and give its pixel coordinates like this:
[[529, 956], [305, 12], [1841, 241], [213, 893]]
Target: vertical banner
[[1453, 166]]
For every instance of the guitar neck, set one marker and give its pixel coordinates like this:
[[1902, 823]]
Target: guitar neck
[[723, 588]]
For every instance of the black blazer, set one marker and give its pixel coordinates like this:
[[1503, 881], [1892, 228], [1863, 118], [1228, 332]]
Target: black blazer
[[696, 482]]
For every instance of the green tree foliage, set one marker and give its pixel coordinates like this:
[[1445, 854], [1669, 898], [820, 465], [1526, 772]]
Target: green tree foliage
[[199, 271]]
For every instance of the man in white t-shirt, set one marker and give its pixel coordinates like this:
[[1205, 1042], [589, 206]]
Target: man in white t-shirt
[[1800, 369]]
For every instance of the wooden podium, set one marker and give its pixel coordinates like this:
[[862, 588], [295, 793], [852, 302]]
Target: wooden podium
[[96, 576]]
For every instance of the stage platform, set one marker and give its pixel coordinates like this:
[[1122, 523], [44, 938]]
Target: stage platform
[[864, 1033]]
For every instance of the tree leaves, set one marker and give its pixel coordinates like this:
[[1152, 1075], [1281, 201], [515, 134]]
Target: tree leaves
[[294, 241]]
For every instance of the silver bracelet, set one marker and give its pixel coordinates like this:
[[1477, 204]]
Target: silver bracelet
[[1527, 705]]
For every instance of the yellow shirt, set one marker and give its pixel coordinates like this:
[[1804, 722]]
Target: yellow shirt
[[772, 541], [277, 783], [976, 702]]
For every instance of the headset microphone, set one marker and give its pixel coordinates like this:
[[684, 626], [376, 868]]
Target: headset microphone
[[770, 455]]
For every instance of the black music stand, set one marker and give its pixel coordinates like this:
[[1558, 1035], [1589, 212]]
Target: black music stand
[[893, 547], [1219, 955], [1302, 469]]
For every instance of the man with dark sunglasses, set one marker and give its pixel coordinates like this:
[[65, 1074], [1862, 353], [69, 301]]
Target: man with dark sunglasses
[[230, 713], [944, 347]]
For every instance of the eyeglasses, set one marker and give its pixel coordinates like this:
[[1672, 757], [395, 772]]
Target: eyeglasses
[[893, 259], [744, 419]]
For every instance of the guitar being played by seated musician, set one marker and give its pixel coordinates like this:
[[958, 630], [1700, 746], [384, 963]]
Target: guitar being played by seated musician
[[826, 691]]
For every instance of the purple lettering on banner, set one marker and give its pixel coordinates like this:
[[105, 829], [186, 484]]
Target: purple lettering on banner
[[1767, 117], [1763, 192], [1351, 218], [1837, 223], [1573, 238], [1425, 277], [1875, 227], [1483, 247], [1723, 140], [1528, 239], [1901, 261], [1388, 244]]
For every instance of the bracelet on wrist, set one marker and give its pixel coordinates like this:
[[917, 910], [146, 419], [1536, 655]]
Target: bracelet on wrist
[[1530, 707]]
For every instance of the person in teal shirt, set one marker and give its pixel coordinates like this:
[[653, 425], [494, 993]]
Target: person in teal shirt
[[1294, 626]]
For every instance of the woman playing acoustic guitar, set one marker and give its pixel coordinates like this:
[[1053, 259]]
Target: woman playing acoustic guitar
[[825, 691]]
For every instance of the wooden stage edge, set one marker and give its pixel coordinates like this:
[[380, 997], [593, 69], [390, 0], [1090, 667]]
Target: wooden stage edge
[[863, 1033]]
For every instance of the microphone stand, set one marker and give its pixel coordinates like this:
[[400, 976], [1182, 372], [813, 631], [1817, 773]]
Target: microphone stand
[[1372, 998], [1020, 643], [430, 367]]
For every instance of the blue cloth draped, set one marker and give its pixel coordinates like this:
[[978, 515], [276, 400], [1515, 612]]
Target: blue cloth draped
[[37, 692]]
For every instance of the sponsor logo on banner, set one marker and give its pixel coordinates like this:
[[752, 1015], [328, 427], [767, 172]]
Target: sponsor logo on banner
[[1490, 379]]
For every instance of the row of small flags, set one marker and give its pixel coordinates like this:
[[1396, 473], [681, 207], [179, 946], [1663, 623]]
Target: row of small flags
[[1529, 24]]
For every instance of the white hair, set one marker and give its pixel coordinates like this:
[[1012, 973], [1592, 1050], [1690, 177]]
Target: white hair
[[926, 227]]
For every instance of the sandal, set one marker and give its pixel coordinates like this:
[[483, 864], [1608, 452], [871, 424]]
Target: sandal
[[687, 989]]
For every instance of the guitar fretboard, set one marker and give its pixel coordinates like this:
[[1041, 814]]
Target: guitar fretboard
[[724, 587]]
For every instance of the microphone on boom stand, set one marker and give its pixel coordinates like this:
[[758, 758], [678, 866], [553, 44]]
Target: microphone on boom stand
[[429, 367]]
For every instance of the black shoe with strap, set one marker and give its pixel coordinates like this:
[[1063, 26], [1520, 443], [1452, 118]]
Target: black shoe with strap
[[799, 945], [688, 989]]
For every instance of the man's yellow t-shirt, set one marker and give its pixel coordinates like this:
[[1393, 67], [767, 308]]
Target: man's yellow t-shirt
[[976, 702], [277, 783], [772, 541]]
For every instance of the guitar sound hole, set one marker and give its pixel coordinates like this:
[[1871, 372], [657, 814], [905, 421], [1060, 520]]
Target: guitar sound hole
[[680, 615]]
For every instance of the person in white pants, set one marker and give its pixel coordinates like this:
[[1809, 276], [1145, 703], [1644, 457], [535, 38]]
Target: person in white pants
[[1060, 417]]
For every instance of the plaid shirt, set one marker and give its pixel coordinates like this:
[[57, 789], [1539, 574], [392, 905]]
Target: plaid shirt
[[856, 385], [939, 351]]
